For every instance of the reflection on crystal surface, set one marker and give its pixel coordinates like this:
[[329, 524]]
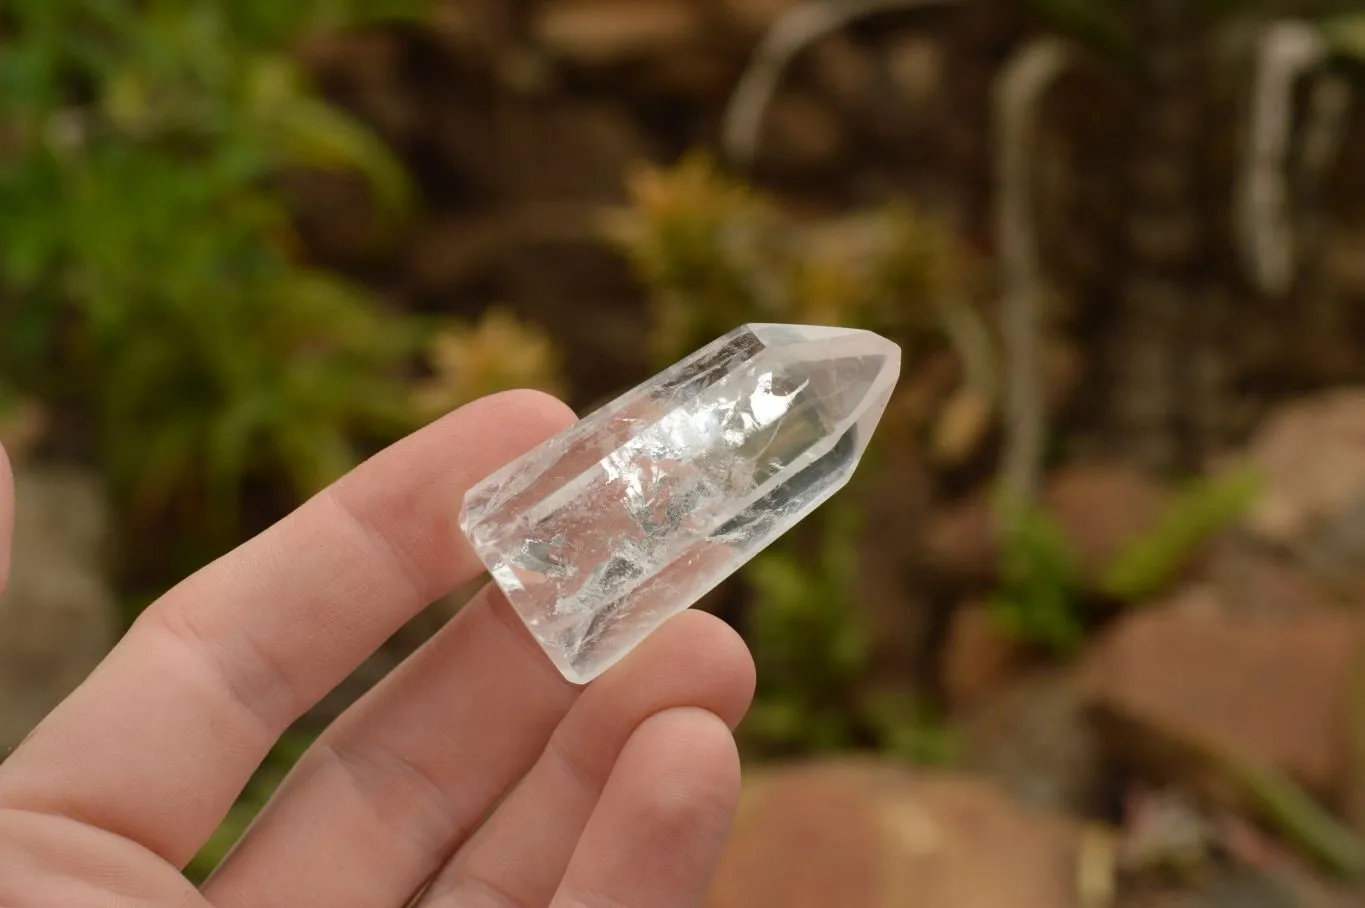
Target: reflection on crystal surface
[[628, 517]]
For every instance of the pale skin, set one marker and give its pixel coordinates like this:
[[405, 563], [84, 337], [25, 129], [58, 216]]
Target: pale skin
[[614, 795]]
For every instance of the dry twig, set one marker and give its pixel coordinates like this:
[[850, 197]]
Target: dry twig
[[1022, 86], [1265, 222], [792, 33]]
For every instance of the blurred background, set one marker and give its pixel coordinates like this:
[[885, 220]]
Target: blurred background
[[1084, 630]]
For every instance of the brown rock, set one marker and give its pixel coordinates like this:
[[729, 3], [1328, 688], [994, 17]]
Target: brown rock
[[1252, 582], [1200, 601], [1311, 457], [1034, 739], [598, 32], [57, 615], [863, 834], [961, 540], [1101, 509], [977, 656], [1270, 690]]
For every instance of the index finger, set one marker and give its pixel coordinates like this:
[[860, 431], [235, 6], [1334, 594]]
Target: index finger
[[157, 744]]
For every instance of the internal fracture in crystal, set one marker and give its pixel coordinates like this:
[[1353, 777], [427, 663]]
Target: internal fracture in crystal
[[631, 515]]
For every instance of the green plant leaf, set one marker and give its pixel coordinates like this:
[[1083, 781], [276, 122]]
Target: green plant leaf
[[1198, 513], [1037, 601], [310, 133]]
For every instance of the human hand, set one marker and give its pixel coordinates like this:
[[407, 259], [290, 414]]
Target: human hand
[[615, 795]]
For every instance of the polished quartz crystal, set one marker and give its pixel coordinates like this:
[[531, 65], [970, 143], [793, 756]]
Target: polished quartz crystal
[[628, 517]]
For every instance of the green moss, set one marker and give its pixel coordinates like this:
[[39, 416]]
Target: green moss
[[812, 644]]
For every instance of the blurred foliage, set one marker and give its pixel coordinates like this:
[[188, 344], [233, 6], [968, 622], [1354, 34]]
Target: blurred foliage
[[904, 726], [810, 641], [494, 355], [1041, 600], [716, 254], [152, 282], [1206, 507], [1038, 601], [1284, 806], [812, 644], [1097, 24], [1346, 36], [708, 248], [258, 791], [1108, 25]]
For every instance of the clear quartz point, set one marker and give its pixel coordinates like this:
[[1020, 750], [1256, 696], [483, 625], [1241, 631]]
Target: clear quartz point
[[628, 517]]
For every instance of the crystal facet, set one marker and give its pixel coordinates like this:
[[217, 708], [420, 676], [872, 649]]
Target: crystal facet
[[628, 517]]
